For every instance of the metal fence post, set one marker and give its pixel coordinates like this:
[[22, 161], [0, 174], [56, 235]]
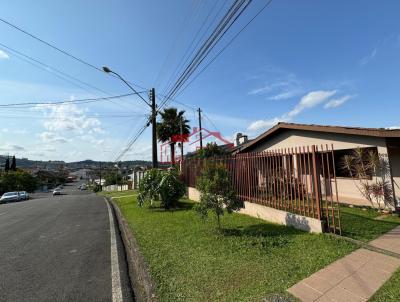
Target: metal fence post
[[316, 182]]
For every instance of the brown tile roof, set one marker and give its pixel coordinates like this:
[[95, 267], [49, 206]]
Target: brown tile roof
[[376, 132]]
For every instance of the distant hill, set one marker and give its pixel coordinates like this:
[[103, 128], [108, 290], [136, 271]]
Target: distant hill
[[56, 165]]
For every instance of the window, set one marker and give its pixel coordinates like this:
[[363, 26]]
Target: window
[[339, 155]]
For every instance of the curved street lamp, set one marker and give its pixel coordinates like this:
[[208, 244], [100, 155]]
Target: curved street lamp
[[152, 105]]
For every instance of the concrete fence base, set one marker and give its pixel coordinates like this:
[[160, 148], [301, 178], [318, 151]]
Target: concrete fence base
[[115, 188], [300, 222]]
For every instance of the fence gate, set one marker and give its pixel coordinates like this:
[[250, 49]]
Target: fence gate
[[299, 180]]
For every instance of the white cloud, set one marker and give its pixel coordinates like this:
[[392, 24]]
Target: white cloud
[[337, 102], [3, 55], [92, 140], [68, 117], [393, 127], [284, 86], [11, 148], [286, 95], [310, 100], [263, 124], [14, 131], [51, 137], [368, 58]]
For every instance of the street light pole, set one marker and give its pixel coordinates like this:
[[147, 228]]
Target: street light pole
[[153, 117]]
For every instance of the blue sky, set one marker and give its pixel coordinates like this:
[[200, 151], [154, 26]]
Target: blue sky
[[322, 62]]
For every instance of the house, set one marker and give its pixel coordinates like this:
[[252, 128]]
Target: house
[[386, 142]]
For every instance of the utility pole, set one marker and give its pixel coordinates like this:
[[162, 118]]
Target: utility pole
[[101, 187], [201, 135], [154, 127]]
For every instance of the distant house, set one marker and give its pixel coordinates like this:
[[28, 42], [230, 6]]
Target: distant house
[[344, 140]]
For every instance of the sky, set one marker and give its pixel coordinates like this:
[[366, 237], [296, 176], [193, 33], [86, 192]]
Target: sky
[[314, 62]]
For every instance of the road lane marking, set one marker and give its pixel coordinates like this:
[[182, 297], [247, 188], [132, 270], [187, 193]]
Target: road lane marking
[[115, 277]]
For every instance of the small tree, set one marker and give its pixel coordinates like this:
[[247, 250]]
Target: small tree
[[171, 124], [164, 186], [361, 165], [13, 166], [210, 150], [7, 165], [216, 192]]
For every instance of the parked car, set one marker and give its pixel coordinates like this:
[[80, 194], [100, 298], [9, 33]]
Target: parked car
[[57, 191], [23, 195], [9, 197]]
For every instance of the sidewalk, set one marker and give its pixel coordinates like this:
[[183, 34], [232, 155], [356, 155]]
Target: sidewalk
[[355, 277]]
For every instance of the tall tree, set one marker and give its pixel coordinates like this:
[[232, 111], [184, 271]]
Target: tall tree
[[13, 166], [170, 126], [7, 165]]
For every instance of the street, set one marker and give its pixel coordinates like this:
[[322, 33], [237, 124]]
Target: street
[[61, 248]]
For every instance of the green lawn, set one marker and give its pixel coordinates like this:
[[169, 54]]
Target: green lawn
[[249, 260], [116, 194], [361, 224], [390, 291]]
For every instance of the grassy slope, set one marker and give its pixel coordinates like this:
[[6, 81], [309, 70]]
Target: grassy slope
[[361, 224], [250, 259]]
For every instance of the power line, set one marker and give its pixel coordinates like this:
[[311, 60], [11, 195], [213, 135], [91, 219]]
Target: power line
[[132, 141], [187, 55], [51, 45], [233, 13], [57, 73], [81, 101], [59, 49], [226, 46]]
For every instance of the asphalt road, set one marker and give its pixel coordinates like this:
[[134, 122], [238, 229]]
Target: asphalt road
[[60, 249]]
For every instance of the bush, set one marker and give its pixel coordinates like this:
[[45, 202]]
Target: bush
[[96, 188], [216, 192], [17, 181], [164, 186]]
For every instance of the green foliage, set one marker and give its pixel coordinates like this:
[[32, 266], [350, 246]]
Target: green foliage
[[13, 166], [113, 178], [7, 165], [250, 259], [390, 291], [211, 150], [148, 187], [51, 178], [362, 224], [96, 188], [217, 193], [17, 181], [370, 172], [170, 125], [163, 185]]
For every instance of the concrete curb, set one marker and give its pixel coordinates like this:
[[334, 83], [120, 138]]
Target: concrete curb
[[139, 274]]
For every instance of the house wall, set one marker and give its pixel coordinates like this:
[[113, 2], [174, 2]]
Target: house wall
[[347, 191], [394, 159]]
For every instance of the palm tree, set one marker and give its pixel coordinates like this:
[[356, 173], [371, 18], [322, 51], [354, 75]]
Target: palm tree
[[170, 125]]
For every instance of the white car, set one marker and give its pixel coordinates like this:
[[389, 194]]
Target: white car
[[23, 195], [9, 197], [57, 191]]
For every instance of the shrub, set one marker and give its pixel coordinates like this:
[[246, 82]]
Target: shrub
[[370, 173], [161, 185], [216, 192], [96, 188], [17, 181]]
